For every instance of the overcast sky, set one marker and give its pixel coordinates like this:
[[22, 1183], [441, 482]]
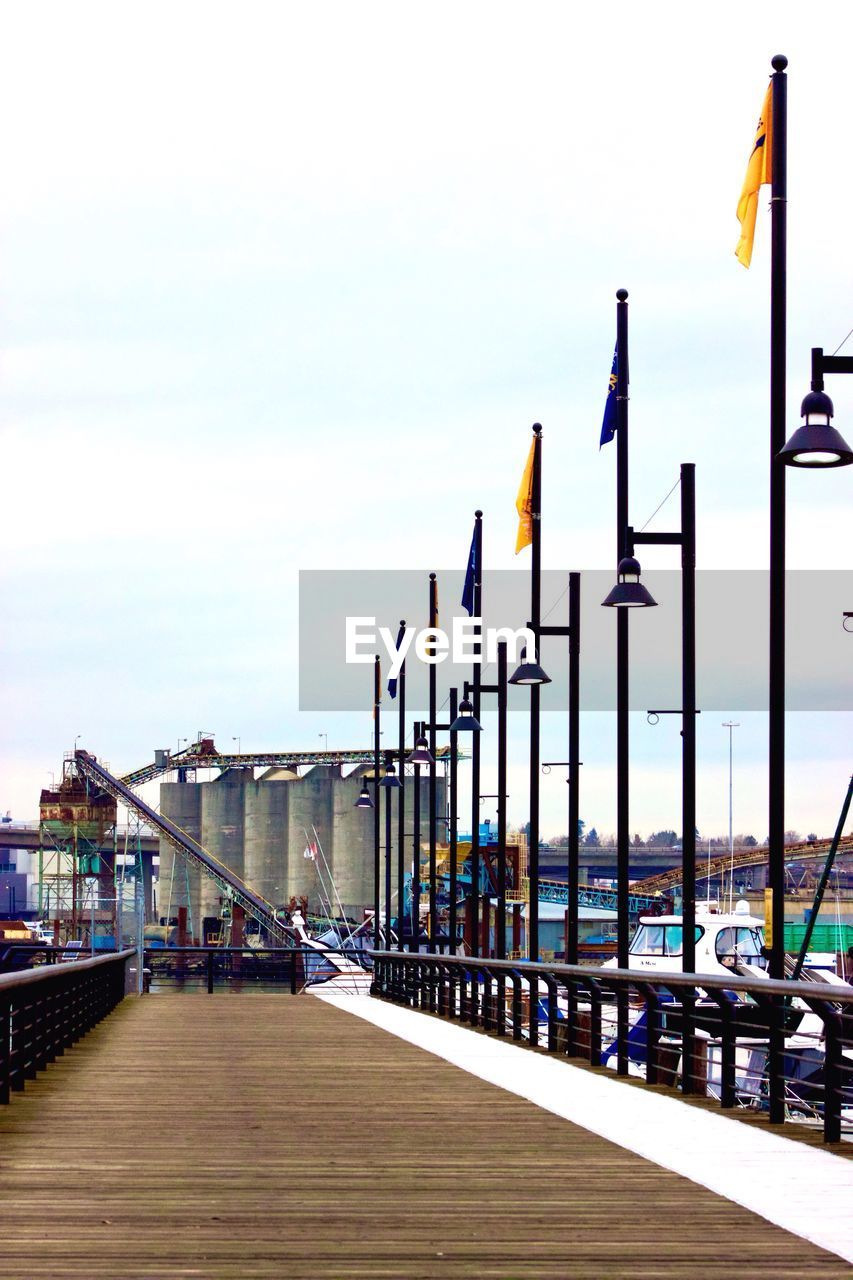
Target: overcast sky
[[284, 287]]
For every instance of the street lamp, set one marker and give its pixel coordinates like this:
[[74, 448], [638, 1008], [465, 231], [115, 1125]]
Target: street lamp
[[817, 443], [389, 783], [529, 673], [421, 753], [364, 801], [629, 592], [466, 721], [731, 725]]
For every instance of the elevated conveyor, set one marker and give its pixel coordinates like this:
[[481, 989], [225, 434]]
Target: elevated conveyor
[[229, 884], [802, 852], [204, 755]]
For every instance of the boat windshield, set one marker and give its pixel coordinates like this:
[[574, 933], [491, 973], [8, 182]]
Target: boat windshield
[[659, 940], [735, 944]]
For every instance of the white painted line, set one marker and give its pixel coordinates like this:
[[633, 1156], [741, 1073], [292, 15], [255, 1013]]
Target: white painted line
[[800, 1188]]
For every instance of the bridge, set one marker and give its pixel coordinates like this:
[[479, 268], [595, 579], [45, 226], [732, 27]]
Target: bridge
[[414, 1131], [802, 851]]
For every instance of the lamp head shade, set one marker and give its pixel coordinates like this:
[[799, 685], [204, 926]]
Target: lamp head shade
[[364, 801], [529, 673], [466, 721], [421, 753], [816, 443], [629, 592]]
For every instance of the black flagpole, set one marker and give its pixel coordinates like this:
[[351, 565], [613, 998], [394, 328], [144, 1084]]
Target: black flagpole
[[776, 717]]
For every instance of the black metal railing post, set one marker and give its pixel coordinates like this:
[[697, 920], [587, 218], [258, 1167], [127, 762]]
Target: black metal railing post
[[761, 1012]]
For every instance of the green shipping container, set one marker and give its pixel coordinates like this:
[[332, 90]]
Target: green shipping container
[[825, 937]]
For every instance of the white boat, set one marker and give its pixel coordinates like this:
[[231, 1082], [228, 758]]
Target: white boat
[[727, 942], [730, 943]]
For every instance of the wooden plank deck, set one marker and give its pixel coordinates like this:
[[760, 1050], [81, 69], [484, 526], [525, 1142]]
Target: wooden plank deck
[[273, 1136]]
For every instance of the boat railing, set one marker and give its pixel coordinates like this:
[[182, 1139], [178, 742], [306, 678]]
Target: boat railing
[[781, 1048]]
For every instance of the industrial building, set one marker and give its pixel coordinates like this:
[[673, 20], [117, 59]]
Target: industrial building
[[261, 829]]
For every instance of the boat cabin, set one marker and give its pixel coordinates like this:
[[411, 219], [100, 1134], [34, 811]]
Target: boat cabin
[[726, 942]]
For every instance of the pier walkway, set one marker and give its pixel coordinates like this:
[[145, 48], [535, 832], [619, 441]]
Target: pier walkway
[[271, 1136]]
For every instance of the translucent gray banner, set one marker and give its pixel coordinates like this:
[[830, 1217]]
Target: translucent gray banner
[[731, 637]]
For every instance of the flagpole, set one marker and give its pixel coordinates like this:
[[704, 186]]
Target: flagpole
[[500, 920], [476, 681], [453, 836], [574, 763], [377, 694], [776, 692], [535, 624], [416, 844], [433, 676], [401, 799], [622, 678], [388, 792]]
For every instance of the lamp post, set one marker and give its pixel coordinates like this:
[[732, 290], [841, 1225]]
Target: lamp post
[[401, 796], [461, 721], [476, 680], [433, 674], [630, 592], [377, 702], [418, 757], [390, 783], [731, 725], [453, 834]]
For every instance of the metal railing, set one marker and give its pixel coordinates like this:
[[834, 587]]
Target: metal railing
[[242, 968], [44, 1011], [782, 1048]]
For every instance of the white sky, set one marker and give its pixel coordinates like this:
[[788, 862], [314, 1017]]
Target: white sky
[[284, 287]]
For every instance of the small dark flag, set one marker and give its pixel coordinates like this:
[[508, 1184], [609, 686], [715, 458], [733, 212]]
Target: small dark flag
[[608, 426], [392, 683], [470, 577]]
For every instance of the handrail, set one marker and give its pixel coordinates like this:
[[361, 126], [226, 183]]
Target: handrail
[[838, 993], [44, 1011], [783, 1050], [27, 977]]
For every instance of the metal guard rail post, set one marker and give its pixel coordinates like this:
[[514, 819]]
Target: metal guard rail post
[[44, 1011], [738, 1018], [272, 965]]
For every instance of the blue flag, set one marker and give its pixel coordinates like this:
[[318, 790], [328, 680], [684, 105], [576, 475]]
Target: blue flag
[[392, 684], [608, 426], [470, 577]]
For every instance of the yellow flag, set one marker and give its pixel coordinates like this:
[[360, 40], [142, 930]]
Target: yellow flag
[[758, 171], [524, 503]]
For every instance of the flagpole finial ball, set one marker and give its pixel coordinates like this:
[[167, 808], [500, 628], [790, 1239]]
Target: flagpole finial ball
[[478, 515], [622, 295], [432, 577], [537, 428], [402, 622], [779, 62]]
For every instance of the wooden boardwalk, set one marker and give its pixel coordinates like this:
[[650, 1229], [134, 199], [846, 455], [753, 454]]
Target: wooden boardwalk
[[272, 1136]]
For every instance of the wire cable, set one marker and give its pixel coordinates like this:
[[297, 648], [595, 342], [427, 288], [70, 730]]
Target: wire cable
[[660, 504], [840, 345]]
